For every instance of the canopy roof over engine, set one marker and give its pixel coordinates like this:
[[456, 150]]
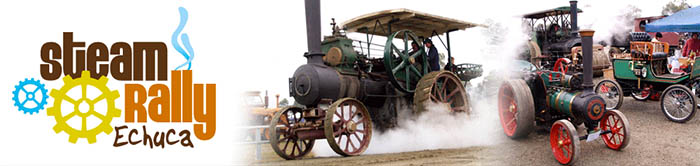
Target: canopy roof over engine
[[551, 12], [422, 24]]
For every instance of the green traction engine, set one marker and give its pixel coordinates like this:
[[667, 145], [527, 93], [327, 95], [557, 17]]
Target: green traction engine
[[562, 100]]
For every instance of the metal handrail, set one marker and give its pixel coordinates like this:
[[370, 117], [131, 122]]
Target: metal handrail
[[257, 140]]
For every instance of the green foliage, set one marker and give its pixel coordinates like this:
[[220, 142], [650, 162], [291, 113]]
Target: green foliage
[[674, 6], [284, 102]]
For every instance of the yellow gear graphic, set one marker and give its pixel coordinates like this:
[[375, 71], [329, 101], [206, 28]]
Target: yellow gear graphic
[[60, 96]]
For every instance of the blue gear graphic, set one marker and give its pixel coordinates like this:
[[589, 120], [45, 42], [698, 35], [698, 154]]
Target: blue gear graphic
[[30, 96]]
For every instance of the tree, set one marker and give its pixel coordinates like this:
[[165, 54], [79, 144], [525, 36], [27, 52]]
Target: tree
[[284, 102], [675, 6]]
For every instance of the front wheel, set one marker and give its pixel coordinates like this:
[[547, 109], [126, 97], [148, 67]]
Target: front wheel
[[348, 127], [619, 127], [564, 141], [611, 93], [283, 139], [678, 103]]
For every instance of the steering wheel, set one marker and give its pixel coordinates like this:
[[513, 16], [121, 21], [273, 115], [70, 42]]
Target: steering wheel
[[562, 65], [404, 69]]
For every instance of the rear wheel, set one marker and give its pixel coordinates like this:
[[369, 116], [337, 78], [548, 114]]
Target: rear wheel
[[617, 123], [611, 93], [443, 88], [516, 108], [564, 141], [641, 94], [678, 103]]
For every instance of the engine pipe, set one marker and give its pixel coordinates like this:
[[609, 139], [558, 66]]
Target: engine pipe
[[587, 45], [574, 17], [313, 32]]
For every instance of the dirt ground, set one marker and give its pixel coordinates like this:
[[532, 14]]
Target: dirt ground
[[654, 141]]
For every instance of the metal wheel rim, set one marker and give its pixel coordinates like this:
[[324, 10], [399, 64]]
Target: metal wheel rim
[[610, 94], [677, 104], [508, 109]]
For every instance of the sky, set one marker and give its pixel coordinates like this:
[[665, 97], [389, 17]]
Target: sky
[[275, 41]]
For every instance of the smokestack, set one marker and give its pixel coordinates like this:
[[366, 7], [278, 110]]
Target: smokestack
[[266, 99], [587, 44], [313, 31], [574, 17]]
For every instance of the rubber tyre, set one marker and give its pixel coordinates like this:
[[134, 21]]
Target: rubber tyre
[[619, 94], [569, 136], [692, 102]]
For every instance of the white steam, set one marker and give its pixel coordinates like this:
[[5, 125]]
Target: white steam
[[608, 18]]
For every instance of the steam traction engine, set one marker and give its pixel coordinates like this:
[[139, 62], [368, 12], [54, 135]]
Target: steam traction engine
[[563, 101], [346, 93]]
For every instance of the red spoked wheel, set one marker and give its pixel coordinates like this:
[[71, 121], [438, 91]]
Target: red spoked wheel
[[348, 127], [562, 65], [283, 139], [516, 108], [564, 141], [617, 123]]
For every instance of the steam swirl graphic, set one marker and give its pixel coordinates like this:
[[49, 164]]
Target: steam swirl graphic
[[189, 54]]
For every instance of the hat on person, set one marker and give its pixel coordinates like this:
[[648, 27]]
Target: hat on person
[[428, 41]]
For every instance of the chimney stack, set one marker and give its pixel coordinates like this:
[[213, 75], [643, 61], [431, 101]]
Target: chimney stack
[[574, 17], [587, 45], [313, 32]]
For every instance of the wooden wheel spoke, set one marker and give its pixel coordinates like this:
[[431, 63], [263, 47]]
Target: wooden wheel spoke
[[298, 145], [342, 112], [510, 122], [357, 136], [285, 145], [352, 144], [449, 96], [347, 142], [339, 138]]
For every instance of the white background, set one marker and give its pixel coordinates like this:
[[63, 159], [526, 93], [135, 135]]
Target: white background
[[239, 45]]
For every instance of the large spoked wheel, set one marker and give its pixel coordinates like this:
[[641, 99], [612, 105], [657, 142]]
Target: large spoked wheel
[[284, 140], [617, 123], [641, 94], [348, 127], [516, 108], [611, 93], [443, 88], [564, 141], [404, 68], [678, 103]]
